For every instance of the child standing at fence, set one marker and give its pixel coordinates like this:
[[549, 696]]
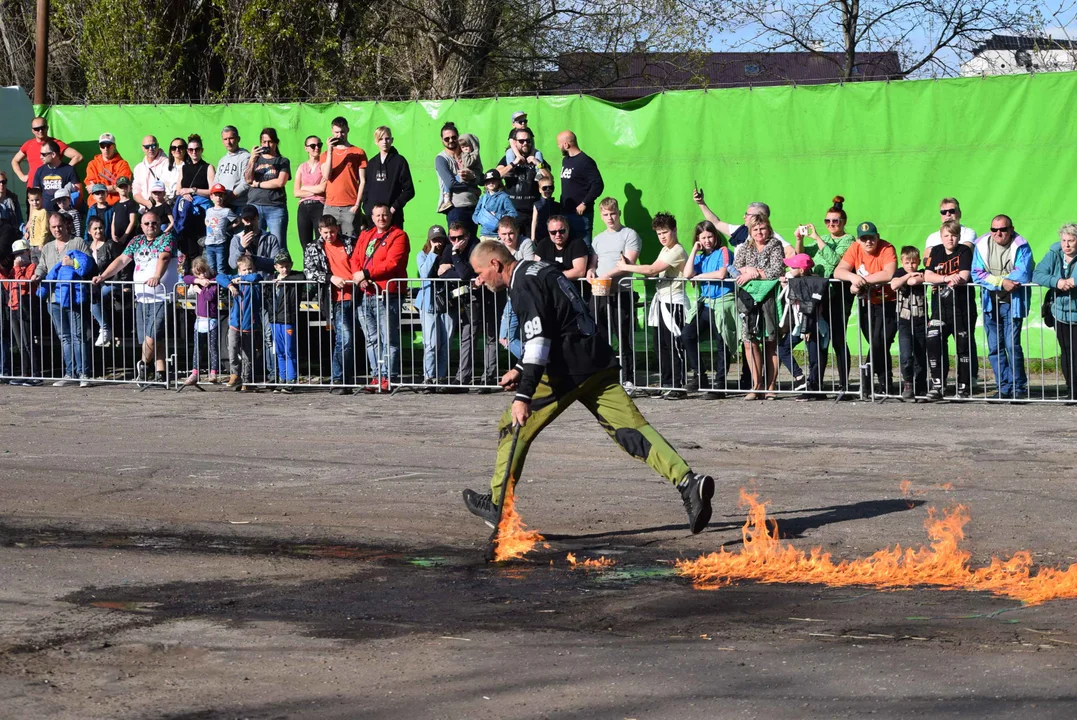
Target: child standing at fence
[[908, 283], [202, 285], [219, 221], [492, 206], [284, 313], [103, 254], [953, 311], [244, 324], [18, 298]]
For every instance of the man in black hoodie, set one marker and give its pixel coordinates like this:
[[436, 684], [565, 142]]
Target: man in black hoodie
[[388, 179]]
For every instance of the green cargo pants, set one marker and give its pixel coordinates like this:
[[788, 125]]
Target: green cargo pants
[[603, 395]]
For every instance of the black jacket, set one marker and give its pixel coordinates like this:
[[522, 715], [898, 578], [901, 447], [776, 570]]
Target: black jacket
[[284, 298], [388, 183]]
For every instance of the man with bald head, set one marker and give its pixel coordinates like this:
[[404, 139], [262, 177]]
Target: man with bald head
[[566, 358], [153, 167], [581, 185]]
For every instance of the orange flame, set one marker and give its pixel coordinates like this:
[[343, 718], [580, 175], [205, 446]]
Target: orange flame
[[591, 563], [905, 485], [514, 540], [767, 559]]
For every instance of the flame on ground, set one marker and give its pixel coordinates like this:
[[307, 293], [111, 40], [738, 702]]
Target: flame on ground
[[765, 558], [592, 563], [514, 540]]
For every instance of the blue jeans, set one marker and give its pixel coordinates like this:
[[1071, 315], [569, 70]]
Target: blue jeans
[[286, 346], [70, 326], [437, 329], [580, 225], [217, 257], [274, 220], [818, 353], [510, 330], [97, 309], [379, 317], [342, 363], [1007, 359]]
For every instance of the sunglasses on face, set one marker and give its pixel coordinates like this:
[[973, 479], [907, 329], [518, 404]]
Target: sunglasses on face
[[314, 146], [40, 128], [544, 188], [948, 211], [558, 231], [46, 154], [177, 148], [104, 145], [194, 149], [151, 146], [457, 237], [868, 239], [449, 138], [832, 221], [150, 224], [1007, 228]]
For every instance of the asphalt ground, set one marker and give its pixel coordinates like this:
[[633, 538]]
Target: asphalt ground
[[218, 555]]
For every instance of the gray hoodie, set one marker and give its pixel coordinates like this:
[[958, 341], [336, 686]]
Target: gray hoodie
[[230, 172]]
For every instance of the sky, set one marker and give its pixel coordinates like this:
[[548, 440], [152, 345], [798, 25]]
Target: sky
[[1060, 21]]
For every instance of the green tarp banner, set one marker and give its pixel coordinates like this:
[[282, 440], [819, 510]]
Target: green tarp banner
[[893, 150]]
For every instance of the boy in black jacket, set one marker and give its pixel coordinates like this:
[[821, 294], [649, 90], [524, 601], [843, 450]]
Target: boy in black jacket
[[388, 179], [284, 312]]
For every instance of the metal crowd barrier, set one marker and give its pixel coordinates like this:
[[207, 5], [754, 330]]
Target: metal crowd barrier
[[80, 334], [673, 337]]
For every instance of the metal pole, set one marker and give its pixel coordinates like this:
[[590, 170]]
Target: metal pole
[[41, 66]]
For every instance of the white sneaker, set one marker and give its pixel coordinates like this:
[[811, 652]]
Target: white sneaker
[[630, 389], [84, 381], [103, 339], [64, 381]]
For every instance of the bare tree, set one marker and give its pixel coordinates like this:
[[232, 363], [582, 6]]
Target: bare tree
[[930, 36]]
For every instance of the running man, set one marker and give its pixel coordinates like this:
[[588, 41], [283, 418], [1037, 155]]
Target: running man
[[566, 359]]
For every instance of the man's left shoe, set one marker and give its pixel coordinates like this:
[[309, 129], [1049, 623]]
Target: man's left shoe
[[483, 506], [697, 491], [674, 394]]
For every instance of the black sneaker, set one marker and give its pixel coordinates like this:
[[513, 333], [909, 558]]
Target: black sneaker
[[159, 378], [341, 391], [484, 507], [674, 395], [934, 394], [140, 372], [696, 491], [693, 383]]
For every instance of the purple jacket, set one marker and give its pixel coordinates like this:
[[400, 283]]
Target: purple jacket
[[206, 304]]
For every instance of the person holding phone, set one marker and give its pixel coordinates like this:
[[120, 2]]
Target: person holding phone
[[344, 169], [267, 174]]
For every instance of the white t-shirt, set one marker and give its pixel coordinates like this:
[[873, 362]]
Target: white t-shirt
[[609, 246], [145, 252], [968, 236], [670, 291]]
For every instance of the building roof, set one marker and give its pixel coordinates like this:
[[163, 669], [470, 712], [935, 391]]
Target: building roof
[[634, 75], [1017, 42]]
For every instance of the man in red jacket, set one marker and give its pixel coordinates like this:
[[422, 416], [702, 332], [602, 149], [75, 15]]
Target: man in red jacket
[[381, 255]]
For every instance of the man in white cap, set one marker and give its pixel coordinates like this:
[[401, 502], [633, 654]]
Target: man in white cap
[[107, 167]]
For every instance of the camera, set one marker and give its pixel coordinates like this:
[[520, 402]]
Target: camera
[[802, 230]]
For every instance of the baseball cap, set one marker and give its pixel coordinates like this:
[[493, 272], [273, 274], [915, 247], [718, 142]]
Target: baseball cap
[[249, 211], [491, 176], [123, 180], [800, 261], [866, 228], [157, 186], [436, 231], [517, 115], [19, 246], [282, 258], [107, 138], [218, 188], [62, 193], [97, 187]]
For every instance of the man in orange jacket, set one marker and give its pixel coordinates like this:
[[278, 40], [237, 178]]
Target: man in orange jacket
[[108, 167], [381, 255]]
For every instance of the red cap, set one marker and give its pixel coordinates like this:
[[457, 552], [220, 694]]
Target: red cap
[[218, 188]]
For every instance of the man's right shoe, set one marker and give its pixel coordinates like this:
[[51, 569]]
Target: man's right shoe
[[696, 492], [140, 372], [692, 384], [631, 389], [233, 381], [934, 394], [65, 381], [483, 506]]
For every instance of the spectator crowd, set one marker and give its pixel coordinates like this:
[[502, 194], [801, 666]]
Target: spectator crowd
[[741, 293]]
